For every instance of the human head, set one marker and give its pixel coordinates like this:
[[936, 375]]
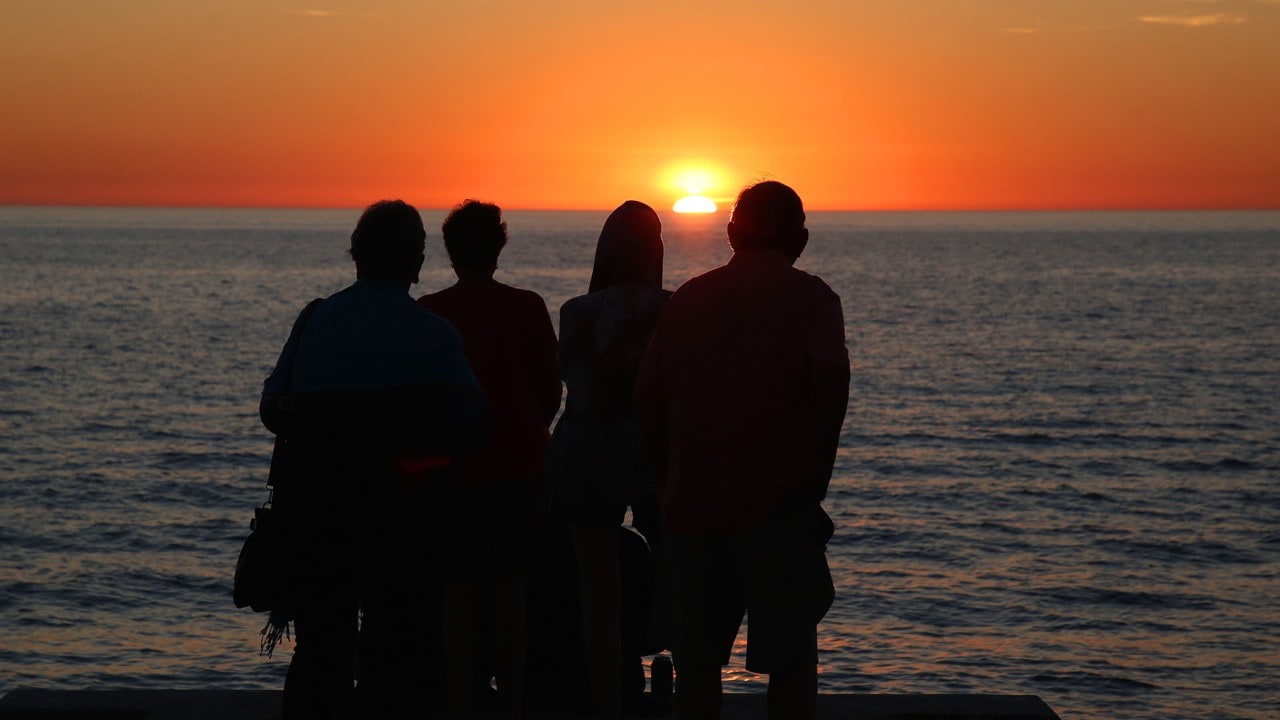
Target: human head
[[769, 216], [474, 234], [630, 248], [388, 242]]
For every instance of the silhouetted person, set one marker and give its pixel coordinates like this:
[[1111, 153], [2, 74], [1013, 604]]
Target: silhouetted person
[[511, 346], [382, 398], [742, 395], [597, 463]]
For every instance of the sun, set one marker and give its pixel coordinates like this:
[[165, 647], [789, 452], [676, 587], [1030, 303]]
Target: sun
[[695, 204], [695, 182]]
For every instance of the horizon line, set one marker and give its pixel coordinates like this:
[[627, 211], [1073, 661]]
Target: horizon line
[[718, 211]]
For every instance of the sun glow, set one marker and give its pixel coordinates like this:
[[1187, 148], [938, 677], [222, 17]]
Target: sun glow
[[694, 204], [695, 185]]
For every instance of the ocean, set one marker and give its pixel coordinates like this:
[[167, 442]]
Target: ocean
[[1057, 476]]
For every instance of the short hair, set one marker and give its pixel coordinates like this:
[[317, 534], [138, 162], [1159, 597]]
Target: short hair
[[766, 216], [474, 235], [389, 238]]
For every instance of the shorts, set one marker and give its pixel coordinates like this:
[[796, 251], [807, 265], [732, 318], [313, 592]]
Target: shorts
[[776, 573]]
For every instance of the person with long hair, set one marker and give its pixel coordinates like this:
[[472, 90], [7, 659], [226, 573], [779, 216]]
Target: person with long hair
[[597, 464]]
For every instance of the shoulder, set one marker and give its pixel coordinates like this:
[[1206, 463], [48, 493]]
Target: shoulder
[[522, 298], [818, 288], [577, 305], [435, 297], [699, 285], [654, 300], [457, 306], [426, 320]]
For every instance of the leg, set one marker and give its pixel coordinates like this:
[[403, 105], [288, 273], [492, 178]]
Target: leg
[[507, 640], [793, 693], [707, 607], [596, 549], [320, 683], [647, 519], [697, 691], [789, 589], [462, 607]]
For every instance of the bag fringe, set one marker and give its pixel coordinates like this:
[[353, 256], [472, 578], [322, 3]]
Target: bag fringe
[[277, 627]]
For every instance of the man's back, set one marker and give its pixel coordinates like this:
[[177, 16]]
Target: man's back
[[741, 397], [371, 336], [374, 370], [733, 362]]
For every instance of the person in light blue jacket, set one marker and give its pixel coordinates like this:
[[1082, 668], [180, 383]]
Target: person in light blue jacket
[[373, 399]]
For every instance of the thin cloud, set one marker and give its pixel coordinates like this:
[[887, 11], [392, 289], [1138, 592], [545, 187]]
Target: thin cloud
[[1193, 21], [1043, 29], [316, 13]]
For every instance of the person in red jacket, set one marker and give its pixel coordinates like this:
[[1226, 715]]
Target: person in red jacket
[[741, 396], [510, 344]]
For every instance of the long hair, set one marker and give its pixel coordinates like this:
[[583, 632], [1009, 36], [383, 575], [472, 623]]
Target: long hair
[[630, 248]]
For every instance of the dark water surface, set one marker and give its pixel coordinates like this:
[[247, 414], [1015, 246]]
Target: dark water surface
[[1058, 474]]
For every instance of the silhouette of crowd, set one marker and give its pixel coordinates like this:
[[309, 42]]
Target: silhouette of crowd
[[459, 545]]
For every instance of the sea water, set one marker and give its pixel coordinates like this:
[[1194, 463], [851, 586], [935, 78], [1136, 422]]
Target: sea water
[[1057, 475]]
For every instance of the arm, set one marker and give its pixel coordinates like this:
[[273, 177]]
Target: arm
[[651, 409], [280, 421], [830, 402], [829, 387], [547, 374], [574, 343]]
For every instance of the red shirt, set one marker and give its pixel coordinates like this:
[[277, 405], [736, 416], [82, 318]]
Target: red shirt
[[510, 344], [726, 389]]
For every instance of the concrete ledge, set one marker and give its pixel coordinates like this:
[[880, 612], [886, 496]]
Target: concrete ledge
[[265, 705]]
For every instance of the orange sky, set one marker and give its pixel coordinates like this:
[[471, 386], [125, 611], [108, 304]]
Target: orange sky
[[859, 104]]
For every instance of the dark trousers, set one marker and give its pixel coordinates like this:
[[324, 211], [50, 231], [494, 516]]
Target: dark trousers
[[322, 675], [366, 620]]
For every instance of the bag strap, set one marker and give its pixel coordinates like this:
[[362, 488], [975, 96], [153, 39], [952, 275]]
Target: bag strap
[[286, 400]]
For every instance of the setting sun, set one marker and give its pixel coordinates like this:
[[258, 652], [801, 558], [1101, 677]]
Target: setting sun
[[694, 204], [696, 185]]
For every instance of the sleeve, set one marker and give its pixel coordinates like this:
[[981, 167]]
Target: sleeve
[[575, 343], [544, 349], [829, 382], [651, 402], [277, 383], [827, 346]]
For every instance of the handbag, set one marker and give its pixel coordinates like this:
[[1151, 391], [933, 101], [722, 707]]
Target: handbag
[[260, 577], [258, 580]]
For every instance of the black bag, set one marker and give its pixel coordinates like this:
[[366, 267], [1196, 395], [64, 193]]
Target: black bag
[[259, 579], [261, 572]]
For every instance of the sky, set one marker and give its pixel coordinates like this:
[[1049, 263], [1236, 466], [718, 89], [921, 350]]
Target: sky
[[581, 104]]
